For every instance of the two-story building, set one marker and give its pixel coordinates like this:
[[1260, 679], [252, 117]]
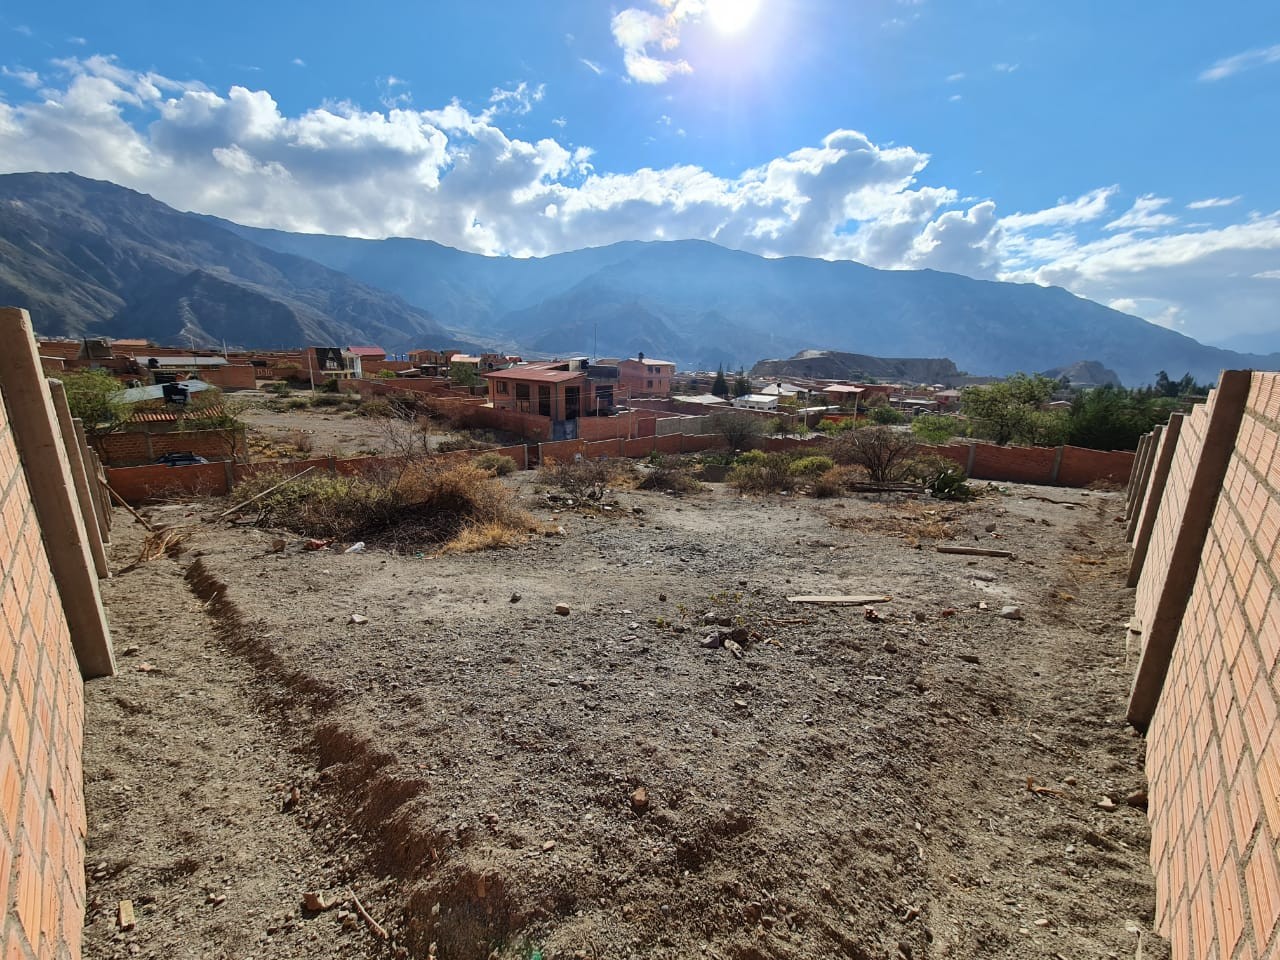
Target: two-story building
[[644, 377], [560, 389]]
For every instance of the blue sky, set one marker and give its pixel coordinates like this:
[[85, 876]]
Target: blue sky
[[1126, 155]]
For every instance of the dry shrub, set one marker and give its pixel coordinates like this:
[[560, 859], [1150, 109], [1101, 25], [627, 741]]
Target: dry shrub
[[760, 472], [301, 442], [912, 520], [886, 454], [673, 476], [495, 464], [835, 481], [588, 479], [424, 502]]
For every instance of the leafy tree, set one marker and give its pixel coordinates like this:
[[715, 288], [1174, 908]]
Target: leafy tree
[[741, 385], [463, 375], [90, 397], [1009, 410], [934, 428], [885, 416], [720, 387], [739, 430], [1109, 418]]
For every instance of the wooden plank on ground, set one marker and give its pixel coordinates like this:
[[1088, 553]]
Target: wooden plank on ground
[[974, 551], [841, 600]]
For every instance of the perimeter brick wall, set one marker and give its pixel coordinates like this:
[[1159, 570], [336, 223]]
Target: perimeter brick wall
[[1213, 744], [42, 814]]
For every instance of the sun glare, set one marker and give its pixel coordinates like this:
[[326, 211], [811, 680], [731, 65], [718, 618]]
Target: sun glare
[[732, 16]]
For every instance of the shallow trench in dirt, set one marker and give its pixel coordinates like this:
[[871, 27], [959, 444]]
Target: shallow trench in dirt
[[498, 779]]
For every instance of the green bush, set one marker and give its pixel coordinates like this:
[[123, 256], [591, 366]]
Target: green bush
[[949, 483], [886, 416], [297, 403], [497, 464], [934, 428], [280, 389], [328, 400], [750, 458], [766, 473], [811, 466]]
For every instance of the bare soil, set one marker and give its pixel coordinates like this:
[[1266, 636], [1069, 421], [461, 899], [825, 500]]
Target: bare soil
[[492, 778]]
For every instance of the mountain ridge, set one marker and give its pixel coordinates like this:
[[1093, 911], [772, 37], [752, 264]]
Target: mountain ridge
[[92, 257]]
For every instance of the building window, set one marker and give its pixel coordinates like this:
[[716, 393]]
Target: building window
[[522, 391], [502, 387], [648, 384]]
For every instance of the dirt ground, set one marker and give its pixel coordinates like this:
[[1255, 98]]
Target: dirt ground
[[321, 430], [491, 778]]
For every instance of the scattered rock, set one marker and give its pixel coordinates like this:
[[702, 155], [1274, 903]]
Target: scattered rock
[[640, 800], [316, 903], [969, 657], [358, 619], [1106, 803], [990, 528], [562, 609], [1010, 612], [1137, 799], [515, 598], [890, 647], [548, 846]]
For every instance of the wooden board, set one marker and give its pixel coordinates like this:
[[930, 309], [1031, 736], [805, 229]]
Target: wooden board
[[974, 551], [842, 600]]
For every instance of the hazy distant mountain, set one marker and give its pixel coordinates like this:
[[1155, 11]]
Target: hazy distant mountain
[[1261, 343], [833, 365], [702, 305], [91, 258], [1086, 373]]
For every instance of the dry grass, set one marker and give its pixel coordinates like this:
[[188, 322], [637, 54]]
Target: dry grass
[[423, 502], [912, 520], [490, 535]]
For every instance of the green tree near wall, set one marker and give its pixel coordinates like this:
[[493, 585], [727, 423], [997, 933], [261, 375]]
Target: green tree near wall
[[741, 385], [90, 396], [720, 386], [1009, 411]]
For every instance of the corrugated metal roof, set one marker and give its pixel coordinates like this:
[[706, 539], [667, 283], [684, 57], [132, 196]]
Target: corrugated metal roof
[[172, 416], [537, 374], [367, 351]]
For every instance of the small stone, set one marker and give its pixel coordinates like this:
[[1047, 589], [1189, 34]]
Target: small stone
[[562, 609], [640, 800], [969, 658], [662, 598], [1070, 781], [990, 528], [1106, 803], [740, 704], [890, 647], [1010, 613], [315, 902], [548, 846], [515, 598], [710, 643], [1042, 922], [1137, 799], [358, 619], [217, 899]]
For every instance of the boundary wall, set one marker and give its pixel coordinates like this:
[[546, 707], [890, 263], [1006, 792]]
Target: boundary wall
[[1206, 501], [53, 635]]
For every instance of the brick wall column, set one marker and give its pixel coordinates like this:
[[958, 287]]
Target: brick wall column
[[44, 460], [93, 467], [80, 477], [1184, 559], [1144, 518], [1138, 480]]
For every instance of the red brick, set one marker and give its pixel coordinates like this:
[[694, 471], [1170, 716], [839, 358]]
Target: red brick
[[1262, 880], [30, 892], [1244, 808], [1229, 911]]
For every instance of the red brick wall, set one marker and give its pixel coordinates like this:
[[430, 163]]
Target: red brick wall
[[1081, 467], [155, 481], [42, 815], [1016, 464], [1213, 746], [136, 448], [234, 376]]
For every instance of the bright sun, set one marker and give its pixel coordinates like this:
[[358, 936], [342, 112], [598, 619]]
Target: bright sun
[[732, 16]]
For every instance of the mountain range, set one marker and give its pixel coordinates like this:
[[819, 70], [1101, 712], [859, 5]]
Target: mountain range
[[88, 257]]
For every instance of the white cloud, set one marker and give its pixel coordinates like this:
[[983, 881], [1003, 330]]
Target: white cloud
[[638, 32], [591, 65], [1210, 202], [28, 78], [1144, 215], [1084, 209], [453, 174], [1005, 67], [77, 41], [298, 62], [1249, 60], [955, 78]]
